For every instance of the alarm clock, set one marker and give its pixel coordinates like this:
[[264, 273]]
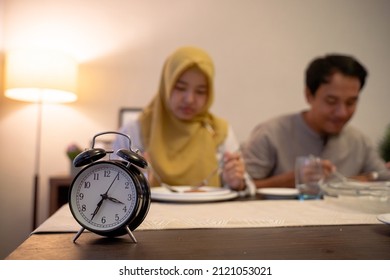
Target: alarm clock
[[109, 197]]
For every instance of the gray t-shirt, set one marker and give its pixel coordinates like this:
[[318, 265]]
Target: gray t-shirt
[[273, 147]]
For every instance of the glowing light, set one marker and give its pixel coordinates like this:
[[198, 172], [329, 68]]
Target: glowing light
[[37, 75]]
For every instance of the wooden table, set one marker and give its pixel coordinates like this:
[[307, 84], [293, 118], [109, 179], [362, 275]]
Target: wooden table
[[361, 242]]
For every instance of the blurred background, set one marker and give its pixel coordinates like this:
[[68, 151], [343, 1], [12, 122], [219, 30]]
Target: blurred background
[[260, 48]]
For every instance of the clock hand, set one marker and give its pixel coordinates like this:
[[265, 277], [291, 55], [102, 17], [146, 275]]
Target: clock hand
[[98, 206], [117, 176], [104, 197], [114, 200]]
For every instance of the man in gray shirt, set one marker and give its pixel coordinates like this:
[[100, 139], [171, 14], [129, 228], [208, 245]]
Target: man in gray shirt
[[333, 85]]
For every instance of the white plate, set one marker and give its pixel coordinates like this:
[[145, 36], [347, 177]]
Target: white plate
[[384, 218], [380, 189], [278, 192], [208, 194], [203, 191]]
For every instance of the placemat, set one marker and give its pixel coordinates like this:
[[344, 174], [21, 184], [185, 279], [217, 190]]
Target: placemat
[[241, 214]]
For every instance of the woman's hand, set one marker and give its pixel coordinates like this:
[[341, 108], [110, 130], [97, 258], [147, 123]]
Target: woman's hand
[[233, 171]]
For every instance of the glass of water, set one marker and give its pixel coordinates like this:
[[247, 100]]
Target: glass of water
[[309, 176]]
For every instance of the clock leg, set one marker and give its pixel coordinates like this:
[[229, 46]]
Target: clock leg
[[78, 234], [131, 235]]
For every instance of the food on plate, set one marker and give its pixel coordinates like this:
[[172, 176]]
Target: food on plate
[[192, 190]]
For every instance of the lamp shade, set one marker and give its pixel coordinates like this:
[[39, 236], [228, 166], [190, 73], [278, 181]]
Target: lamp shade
[[40, 76]]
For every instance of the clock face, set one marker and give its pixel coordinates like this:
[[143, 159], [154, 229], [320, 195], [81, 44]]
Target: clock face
[[104, 197]]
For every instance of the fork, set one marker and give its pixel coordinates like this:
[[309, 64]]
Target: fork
[[205, 181], [374, 175], [339, 176], [218, 170], [158, 178]]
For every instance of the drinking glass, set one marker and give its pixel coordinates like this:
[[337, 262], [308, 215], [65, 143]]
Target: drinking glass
[[309, 176]]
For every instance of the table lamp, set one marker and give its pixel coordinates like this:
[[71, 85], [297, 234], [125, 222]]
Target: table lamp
[[41, 77]]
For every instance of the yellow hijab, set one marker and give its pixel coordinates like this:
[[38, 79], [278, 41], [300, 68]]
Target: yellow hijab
[[182, 153]]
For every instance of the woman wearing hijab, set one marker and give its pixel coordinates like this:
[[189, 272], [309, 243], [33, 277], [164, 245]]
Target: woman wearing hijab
[[185, 143]]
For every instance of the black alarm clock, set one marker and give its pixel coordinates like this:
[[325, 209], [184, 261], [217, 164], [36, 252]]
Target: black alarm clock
[[109, 197]]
